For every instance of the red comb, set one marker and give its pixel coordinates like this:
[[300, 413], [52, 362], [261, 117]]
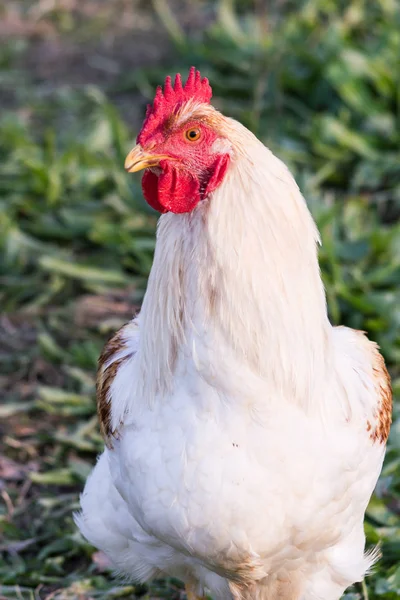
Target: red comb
[[166, 100]]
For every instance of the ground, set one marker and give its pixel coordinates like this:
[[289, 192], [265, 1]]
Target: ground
[[318, 82]]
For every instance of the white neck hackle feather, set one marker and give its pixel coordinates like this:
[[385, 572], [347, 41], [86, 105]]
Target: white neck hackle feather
[[244, 265]]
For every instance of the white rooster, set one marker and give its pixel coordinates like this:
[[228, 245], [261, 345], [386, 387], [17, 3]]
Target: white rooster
[[244, 433]]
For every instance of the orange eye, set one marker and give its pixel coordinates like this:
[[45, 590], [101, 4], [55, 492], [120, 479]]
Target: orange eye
[[193, 134]]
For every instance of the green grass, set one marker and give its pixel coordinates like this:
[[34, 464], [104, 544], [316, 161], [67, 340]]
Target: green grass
[[319, 83]]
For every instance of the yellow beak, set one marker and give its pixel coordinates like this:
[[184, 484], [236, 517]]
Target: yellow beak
[[138, 159]]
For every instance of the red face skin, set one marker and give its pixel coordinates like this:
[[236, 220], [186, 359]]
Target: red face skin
[[190, 175]]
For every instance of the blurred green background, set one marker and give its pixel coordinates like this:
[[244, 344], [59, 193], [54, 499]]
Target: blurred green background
[[318, 81]]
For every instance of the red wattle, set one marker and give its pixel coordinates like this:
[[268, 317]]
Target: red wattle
[[150, 191], [175, 189]]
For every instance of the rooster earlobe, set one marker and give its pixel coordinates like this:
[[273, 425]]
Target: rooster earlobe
[[220, 167]]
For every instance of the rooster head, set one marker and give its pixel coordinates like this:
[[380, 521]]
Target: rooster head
[[180, 146]]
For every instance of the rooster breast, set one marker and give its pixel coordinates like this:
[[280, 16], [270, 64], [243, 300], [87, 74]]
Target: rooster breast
[[226, 489]]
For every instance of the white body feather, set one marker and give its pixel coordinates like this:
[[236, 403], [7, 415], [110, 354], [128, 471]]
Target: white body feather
[[243, 463]]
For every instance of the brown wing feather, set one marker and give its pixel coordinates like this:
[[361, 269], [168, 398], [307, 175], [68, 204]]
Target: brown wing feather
[[380, 427], [383, 419], [108, 366]]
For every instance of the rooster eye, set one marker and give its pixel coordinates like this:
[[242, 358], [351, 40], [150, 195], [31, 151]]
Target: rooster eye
[[193, 134]]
